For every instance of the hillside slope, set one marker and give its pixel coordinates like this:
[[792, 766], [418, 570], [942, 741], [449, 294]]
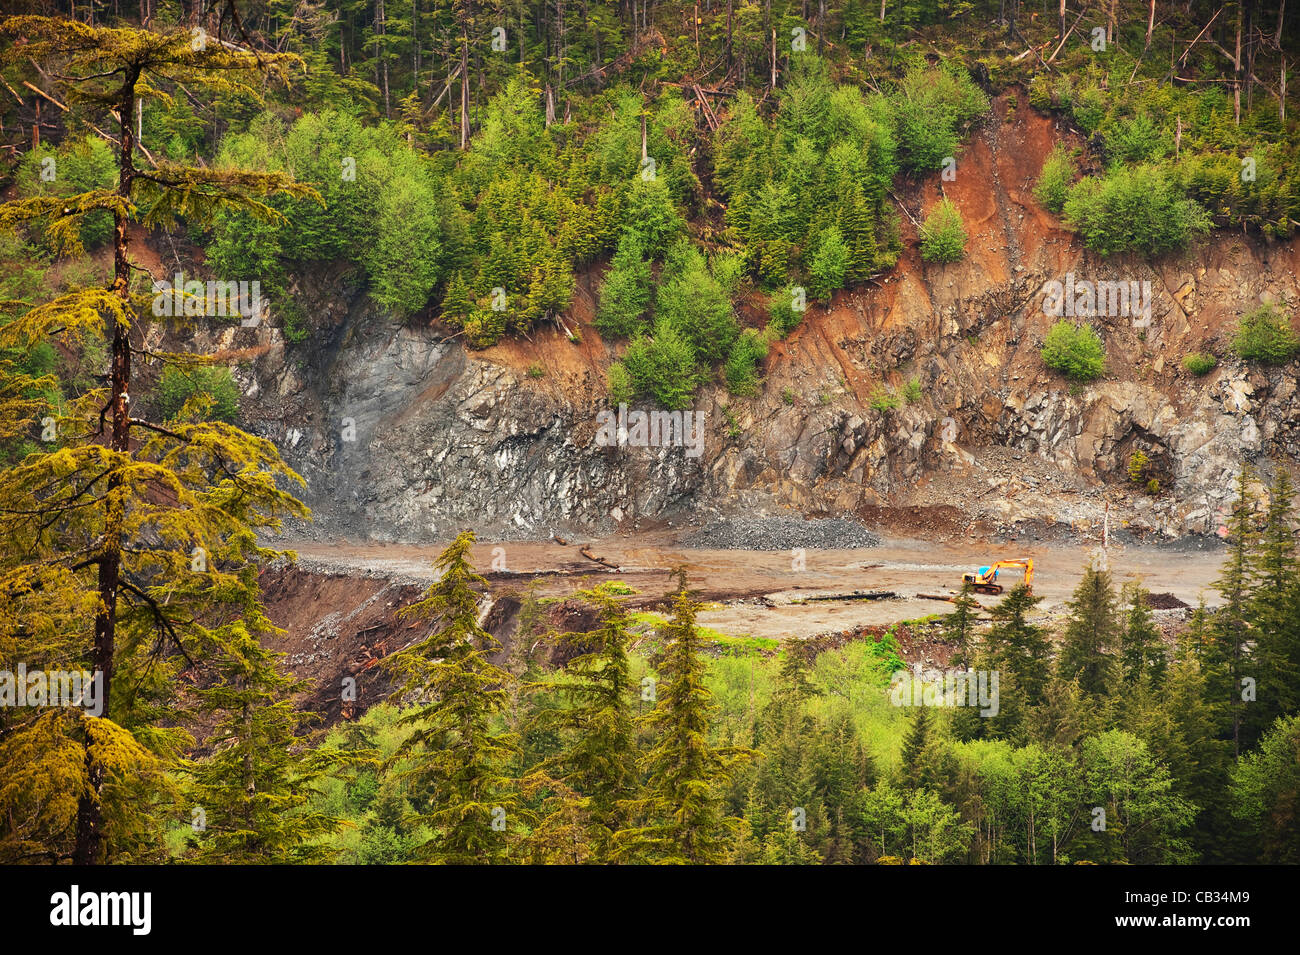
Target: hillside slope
[[404, 434]]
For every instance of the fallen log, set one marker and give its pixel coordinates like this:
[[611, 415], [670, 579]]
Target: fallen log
[[855, 595], [586, 552], [950, 598]]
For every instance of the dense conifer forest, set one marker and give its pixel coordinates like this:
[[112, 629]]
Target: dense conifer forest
[[709, 171]]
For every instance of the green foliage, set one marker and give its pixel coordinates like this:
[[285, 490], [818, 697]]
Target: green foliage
[[650, 217], [1091, 635], [178, 385], [403, 257], [454, 752], [381, 208], [625, 293], [1142, 653], [1266, 790], [695, 304], [77, 166], [1199, 362], [145, 563], [1137, 466], [619, 381], [943, 234], [932, 108], [269, 817], [598, 754], [830, 263], [1137, 209], [1055, 179], [662, 365], [824, 163], [742, 363], [787, 308], [1135, 140], [1075, 351], [1237, 171], [681, 809], [1265, 335], [884, 399]]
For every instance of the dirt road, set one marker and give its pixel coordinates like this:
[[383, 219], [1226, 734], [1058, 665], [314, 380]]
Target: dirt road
[[767, 593]]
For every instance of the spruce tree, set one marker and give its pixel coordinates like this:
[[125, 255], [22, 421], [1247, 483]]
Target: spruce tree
[[1230, 627], [454, 755], [918, 749], [1141, 651], [1200, 759], [680, 809], [787, 707], [597, 763], [959, 626], [1018, 647], [1274, 612], [140, 536], [255, 792], [1091, 634], [1059, 721]]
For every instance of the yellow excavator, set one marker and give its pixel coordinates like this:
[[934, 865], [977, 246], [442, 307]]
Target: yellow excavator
[[985, 579]]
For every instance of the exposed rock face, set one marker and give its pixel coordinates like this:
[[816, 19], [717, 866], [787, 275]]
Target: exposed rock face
[[402, 434]]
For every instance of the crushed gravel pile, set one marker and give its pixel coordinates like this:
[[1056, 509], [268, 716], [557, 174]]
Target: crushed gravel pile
[[781, 533]]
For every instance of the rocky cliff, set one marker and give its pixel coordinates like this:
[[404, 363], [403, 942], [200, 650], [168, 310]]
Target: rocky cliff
[[403, 434]]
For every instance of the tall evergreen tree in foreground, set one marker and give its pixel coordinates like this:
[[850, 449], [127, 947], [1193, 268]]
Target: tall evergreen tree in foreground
[[1230, 627], [132, 538], [1274, 611], [255, 793], [455, 759], [1020, 648], [1091, 634], [681, 808], [959, 626], [597, 765], [1141, 652]]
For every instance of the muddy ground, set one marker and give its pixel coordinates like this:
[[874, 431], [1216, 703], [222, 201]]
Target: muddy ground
[[338, 604], [774, 594]]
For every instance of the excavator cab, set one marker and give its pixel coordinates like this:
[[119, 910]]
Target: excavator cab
[[985, 579]]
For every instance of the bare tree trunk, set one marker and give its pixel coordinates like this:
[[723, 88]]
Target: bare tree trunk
[[89, 844], [381, 49], [1281, 99], [464, 86], [699, 62], [773, 58], [1250, 55], [1236, 72], [1151, 25], [730, 16]]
